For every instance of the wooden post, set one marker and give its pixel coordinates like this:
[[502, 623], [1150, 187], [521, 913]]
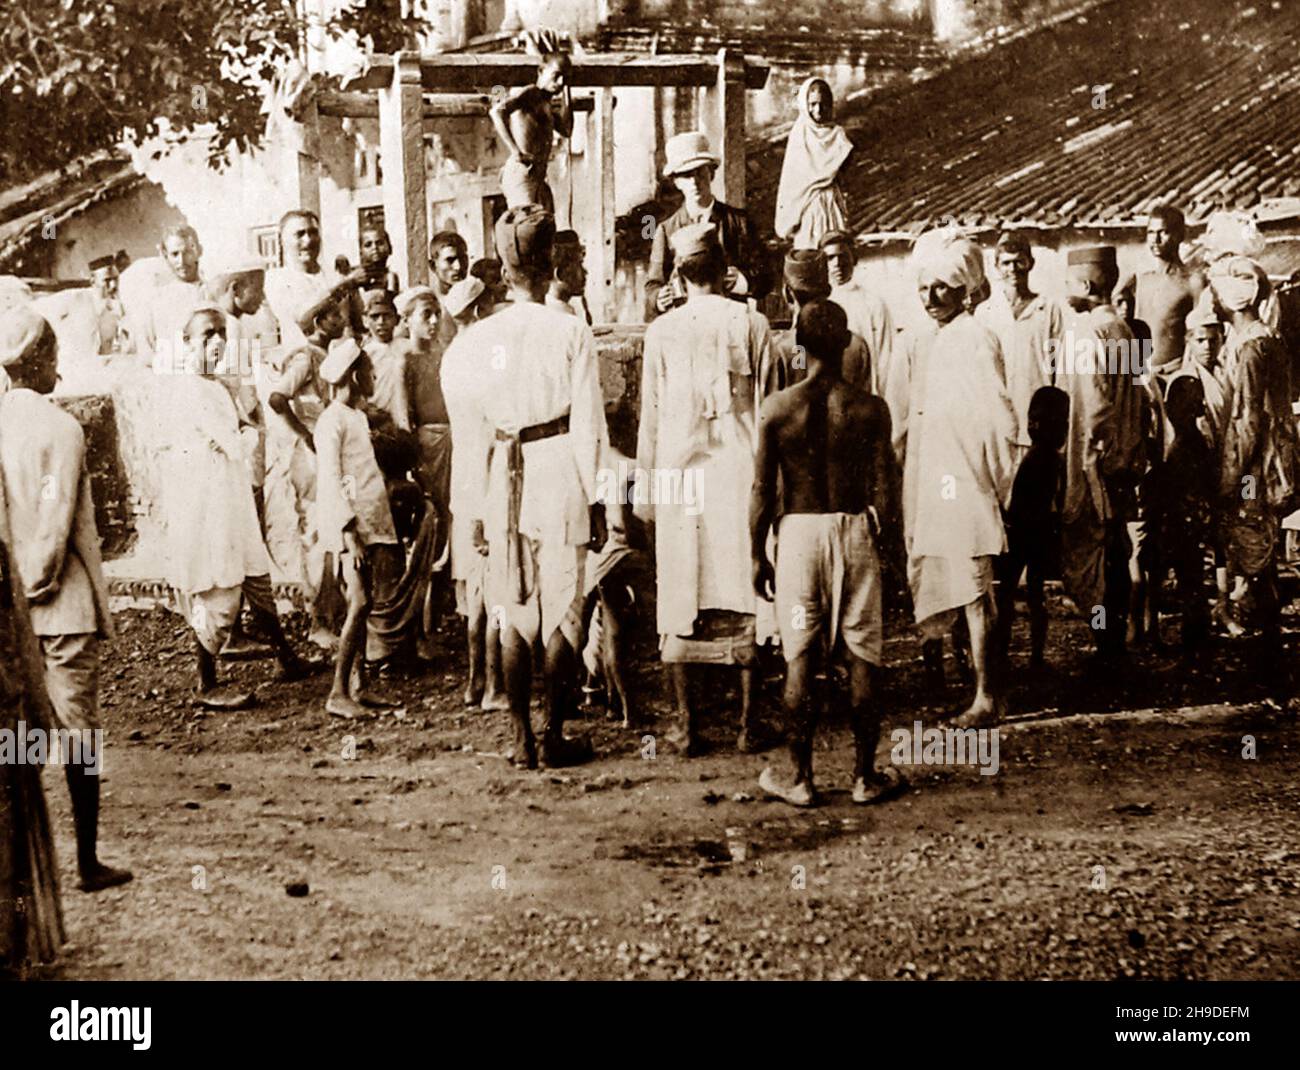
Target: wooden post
[[309, 161], [401, 148], [603, 248], [730, 100]]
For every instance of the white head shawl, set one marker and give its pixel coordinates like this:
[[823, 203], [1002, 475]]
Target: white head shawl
[[814, 154]]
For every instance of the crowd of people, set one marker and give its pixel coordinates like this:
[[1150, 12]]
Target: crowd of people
[[393, 449]]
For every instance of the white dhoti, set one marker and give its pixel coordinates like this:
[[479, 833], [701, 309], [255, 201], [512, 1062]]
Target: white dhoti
[[943, 585]]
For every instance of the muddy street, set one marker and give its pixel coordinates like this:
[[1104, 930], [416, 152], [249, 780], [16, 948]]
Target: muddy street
[[282, 843]]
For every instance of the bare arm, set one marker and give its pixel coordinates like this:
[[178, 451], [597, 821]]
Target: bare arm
[[280, 405], [562, 113], [501, 112], [762, 504]]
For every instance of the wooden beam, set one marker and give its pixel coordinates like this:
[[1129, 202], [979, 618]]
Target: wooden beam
[[353, 105], [729, 93], [603, 247], [461, 72], [401, 147]]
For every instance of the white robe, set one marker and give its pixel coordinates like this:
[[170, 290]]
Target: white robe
[[213, 536], [705, 370], [959, 462]]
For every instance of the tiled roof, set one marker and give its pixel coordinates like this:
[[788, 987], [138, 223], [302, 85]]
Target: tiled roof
[[26, 211], [1197, 102]]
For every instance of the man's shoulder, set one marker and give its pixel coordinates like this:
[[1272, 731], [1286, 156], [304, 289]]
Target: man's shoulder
[[42, 419]]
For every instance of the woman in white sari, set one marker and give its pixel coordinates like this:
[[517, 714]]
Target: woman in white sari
[[809, 201]]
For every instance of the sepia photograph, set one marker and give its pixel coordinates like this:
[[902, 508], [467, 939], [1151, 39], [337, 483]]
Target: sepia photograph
[[656, 491]]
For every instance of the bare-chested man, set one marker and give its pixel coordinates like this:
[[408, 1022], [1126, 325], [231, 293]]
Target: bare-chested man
[[526, 120], [828, 446], [1164, 294]]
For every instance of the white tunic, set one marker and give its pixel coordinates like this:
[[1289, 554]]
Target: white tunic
[[213, 535], [704, 373]]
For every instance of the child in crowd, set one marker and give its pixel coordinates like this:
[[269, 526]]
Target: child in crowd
[[356, 524], [1189, 488], [1033, 522]]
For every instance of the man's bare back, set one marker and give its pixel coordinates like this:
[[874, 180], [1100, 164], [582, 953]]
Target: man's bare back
[[830, 443]]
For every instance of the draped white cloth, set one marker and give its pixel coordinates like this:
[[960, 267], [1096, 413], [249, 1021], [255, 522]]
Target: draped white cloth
[[809, 201]]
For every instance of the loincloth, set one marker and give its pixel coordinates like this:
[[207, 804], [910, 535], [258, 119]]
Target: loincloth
[[828, 585]]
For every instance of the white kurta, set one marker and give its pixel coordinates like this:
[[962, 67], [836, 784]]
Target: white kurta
[[290, 293], [213, 536], [534, 365], [52, 516], [869, 318], [168, 311], [704, 372], [959, 466], [1030, 348]]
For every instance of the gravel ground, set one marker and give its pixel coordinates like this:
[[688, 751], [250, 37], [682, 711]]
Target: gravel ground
[[1123, 836]]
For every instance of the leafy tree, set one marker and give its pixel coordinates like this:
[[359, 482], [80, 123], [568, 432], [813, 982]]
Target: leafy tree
[[78, 75]]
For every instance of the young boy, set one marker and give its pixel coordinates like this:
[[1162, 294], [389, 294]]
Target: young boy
[[376, 248], [1033, 522], [1189, 485], [353, 514], [387, 358]]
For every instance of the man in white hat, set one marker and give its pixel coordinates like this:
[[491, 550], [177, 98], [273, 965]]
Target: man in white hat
[[958, 459], [707, 367], [56, 552], [527, 409], [691, 166]]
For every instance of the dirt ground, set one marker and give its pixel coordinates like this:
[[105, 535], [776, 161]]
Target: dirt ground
[[1124, 835]]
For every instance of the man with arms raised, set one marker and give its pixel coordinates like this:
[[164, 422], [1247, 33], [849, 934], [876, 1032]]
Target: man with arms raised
[[827, 445]]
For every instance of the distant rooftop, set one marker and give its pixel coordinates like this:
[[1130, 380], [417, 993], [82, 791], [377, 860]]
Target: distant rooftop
[[1089, 121]]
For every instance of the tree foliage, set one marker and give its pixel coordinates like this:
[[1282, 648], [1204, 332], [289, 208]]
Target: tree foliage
[[78, 75]]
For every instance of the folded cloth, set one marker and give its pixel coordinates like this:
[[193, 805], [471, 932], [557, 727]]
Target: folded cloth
[[828, 585]]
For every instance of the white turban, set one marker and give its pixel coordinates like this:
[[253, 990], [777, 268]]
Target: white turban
[[949, 257]]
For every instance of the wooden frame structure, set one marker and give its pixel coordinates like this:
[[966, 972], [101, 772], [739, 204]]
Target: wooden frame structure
[[407, 89]]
